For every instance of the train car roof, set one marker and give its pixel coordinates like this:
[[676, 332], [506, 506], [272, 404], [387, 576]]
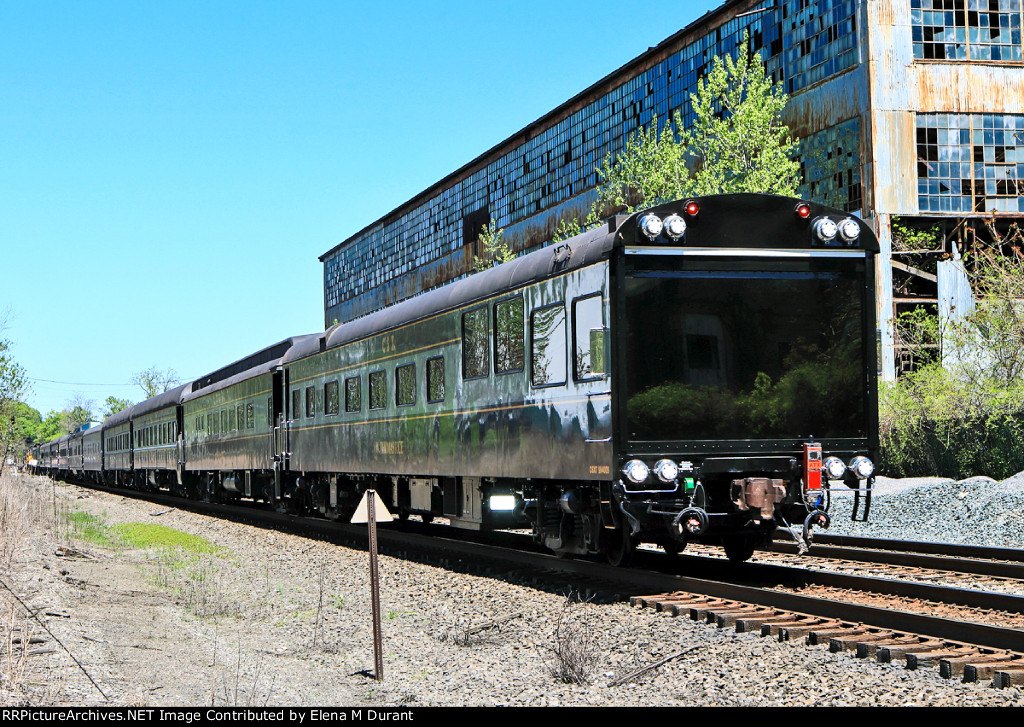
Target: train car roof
[[171, 397], [585, 249], [259, 363]]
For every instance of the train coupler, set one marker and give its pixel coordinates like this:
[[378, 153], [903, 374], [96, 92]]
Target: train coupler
[[692, 521]]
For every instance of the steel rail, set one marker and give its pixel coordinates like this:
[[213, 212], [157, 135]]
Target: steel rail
[[951, 562], [981, 552]]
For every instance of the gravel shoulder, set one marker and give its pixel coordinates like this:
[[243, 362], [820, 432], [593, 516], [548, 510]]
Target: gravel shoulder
[[275, 619]]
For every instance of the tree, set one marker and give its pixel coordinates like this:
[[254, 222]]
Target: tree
[[153, 381], [77, 412], [495, 250], [738, 143], [13, 388], [960, 412], [739, 140], [113, 405]]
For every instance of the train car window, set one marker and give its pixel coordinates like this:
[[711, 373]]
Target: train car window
[[378, 390], [547, 346], [224, 420], [296, 404], [331, 398], [231, 419], [588, 337], [435, 379], [509, 353], [250, 416], [353, 394], [475, 362], [240, 416], [310, 401], [405, 385]]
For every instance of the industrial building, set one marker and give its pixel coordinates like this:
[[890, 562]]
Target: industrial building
[[906, 110]]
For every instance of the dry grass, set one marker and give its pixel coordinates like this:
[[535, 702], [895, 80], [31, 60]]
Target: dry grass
[[21, 507], [575, 652]]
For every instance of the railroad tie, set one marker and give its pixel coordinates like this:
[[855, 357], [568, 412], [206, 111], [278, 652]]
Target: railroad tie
[[888, 652], [747, 624], [729, 618], [949, 668], [1008, 677], [779, 629], [868, 649], [823, 636], [916, 660], [975, 672], [853, 642], [801, 630], [700, 612]]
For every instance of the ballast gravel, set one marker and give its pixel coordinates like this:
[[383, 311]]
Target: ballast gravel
[[273, 619]]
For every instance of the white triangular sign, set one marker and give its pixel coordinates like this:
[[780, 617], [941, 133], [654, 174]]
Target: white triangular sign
[[380, 513]]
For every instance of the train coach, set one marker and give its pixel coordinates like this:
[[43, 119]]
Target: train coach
[[701, 371]]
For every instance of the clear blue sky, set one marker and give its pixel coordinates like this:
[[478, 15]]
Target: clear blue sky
[[170, 171]]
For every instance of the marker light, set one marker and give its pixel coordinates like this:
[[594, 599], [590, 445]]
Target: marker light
[[862, 467], [692, 208], [803, 211], [636, 471], [651, 226], [667, 470], [835, 468], [675, 226], [849, 230], [825, 229]]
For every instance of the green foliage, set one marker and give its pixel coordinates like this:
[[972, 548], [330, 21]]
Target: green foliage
[[739, 140], [13, 388], [113, 405], [146, 535], [963, 414], [738, 143], [495, 250], [907, 237]]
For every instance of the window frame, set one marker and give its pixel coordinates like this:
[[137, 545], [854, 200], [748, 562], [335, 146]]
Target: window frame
[[426, 380], [522, 341], [565, 346], [599, 295]]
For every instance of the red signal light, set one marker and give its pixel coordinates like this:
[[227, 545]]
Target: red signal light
[[692, 208], [803, 211]]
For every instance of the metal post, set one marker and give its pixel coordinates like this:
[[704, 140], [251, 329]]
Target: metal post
[[378, 646]]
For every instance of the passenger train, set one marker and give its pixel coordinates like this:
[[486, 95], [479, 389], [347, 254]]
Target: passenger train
[[704, 370]]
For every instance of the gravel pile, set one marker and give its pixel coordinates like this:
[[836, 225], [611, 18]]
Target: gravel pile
[[975, 511]]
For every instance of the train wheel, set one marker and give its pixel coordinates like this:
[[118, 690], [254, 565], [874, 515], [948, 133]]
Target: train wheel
[[621, 548], [738, 548]]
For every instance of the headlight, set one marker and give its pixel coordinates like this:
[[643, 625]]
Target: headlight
[[636, 471], [503, 503], [862, 467], [825, 229], [849, 230], [675, 227], [651, 226], [835, 468], [667, 470]]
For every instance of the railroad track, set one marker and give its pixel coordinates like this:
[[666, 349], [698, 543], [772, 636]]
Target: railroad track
[[786, 602]]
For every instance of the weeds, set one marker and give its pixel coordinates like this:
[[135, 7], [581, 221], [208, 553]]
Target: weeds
[[574, 653], [242, 686]]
